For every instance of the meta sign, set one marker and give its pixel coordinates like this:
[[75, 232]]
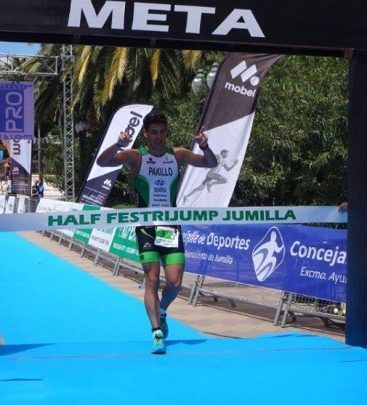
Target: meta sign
[[16, 110]]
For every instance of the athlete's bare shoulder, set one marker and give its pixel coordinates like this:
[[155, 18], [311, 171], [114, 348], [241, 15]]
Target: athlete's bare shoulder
[[181, 155]]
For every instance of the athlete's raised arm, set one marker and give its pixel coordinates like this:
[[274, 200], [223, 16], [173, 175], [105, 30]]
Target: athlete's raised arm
[[116, 155], [208, 159]]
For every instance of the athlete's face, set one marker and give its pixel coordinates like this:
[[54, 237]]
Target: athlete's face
[[156, 136]]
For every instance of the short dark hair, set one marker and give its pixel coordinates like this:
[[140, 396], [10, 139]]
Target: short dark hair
[[154, 117]]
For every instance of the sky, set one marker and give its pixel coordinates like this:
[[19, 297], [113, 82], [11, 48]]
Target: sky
[[18, 48]]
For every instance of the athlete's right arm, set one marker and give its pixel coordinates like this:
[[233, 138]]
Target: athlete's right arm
[[116, 155]]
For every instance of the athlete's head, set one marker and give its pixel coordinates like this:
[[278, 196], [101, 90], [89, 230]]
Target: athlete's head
[[224, 153], [155, 132], [154, 117]]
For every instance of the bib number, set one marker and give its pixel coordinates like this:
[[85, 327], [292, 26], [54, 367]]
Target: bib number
[[166, 236]]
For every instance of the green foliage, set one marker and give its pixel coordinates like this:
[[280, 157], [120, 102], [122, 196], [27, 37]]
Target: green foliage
[[297, 153], [298, 148]]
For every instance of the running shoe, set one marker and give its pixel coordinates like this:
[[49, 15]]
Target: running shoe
[[164, 325], [158, 343]]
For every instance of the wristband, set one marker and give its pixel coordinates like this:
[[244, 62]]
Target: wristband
[[120, 145], [204, 147]]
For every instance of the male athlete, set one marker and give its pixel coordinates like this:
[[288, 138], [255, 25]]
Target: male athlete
[[155, 169]]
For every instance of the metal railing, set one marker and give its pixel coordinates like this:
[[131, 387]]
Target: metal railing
[[287, 306]]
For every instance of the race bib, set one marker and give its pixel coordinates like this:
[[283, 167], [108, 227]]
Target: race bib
[[166, 236]]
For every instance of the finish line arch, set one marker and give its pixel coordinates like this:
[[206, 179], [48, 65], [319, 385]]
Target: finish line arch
[[323, 27]]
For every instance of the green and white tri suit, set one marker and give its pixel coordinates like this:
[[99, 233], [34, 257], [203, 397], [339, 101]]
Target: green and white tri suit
[[157, 186]]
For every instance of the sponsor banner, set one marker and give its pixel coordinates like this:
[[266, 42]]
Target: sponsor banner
[[20, 152], [189, 24], [227, 119], [21, 209], [47, 205], [100, 180], [101, 238], [110, 218], [84, 235], [305, 260], [124, 244], [2, 203], [10, 205], [70, 206], [16, 110]]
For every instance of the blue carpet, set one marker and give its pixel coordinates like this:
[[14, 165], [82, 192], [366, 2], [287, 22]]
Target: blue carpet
[[70, 338]]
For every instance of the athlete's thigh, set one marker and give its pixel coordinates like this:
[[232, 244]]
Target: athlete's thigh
[[151, 271], [174, 273]]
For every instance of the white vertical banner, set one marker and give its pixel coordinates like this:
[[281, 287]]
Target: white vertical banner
[[21, 205], [100, 180], [17, 131], [227, 120], [2, 203], [20, 152], [10, 205]]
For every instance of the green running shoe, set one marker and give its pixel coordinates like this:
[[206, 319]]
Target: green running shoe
[[164, 325], [158, 343]]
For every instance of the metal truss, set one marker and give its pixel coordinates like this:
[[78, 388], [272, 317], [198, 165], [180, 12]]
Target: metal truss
[[67, 61], [49, 66], [17, 64]]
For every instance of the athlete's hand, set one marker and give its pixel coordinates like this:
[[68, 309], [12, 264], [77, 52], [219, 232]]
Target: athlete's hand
[[343, 207], [201, 139], [124, 139]]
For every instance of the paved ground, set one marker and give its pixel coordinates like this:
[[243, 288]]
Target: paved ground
[[216, 318]]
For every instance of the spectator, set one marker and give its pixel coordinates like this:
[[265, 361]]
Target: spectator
[[6, 187], [8, 167], [34, 190], [41, 188]]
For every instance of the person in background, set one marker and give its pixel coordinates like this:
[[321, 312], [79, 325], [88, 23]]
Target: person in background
[[6, 187], [8, 167], [41, 189], [34, 189]]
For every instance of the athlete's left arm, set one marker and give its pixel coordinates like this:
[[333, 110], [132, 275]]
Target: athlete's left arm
[[185, 156], [207, 159]]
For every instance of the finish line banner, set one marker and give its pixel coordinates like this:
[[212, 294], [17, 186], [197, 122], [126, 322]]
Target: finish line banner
[[170, 216]]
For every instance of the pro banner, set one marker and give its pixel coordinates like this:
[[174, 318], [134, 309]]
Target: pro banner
[[16, 110], [227, 120], [100, 180]]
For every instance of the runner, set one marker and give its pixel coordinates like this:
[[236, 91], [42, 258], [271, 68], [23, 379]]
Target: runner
[[155, 169]]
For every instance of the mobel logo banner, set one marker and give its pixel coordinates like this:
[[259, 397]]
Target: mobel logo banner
[[100, 180], [323, 25], [109, 218], [228, 116]]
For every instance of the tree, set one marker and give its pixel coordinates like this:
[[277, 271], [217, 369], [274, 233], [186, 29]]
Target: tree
[[298, 148]]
